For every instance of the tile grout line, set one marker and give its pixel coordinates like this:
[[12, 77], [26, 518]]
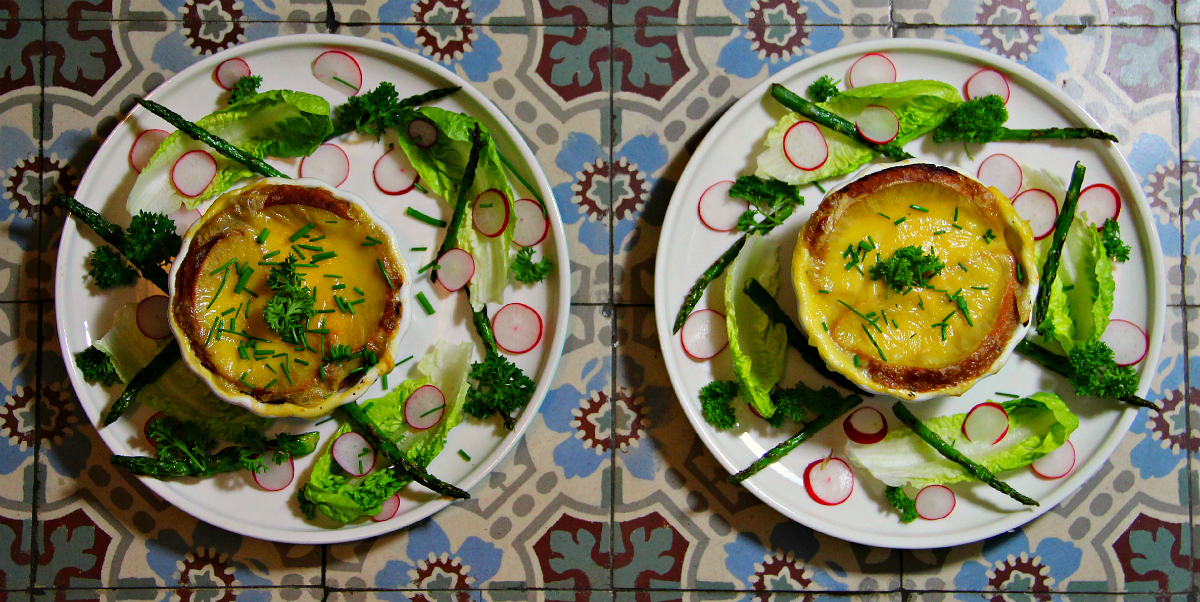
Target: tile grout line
[[613, 474], [35, 497], [1187, 352]]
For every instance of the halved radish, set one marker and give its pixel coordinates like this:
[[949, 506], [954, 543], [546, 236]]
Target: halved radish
[[1127, 340], [1099, 202], [184, 218], [987, 421], [490, 213], [146, 429], [455, 269], [873, 68], [518, 328], [353, 453], [1003, 173], [865, 426], [328, 163], [425, 407], [388, 509], [829, 481], [704, 334], [718, 210], [152, 317], [877, 124], [1039, 208], [935, 502], [229, 72], [274, 476], [338, 70], [532, 225], [144, 147], [804, 146], [394, 173], [193, 172], [423, 133], [1056, 464], [986, 82]]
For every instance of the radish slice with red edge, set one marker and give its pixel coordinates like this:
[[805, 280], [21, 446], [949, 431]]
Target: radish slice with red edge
[[532, 225], [518, 328], [1099, 202], [877, 124], [719, 211], [986, 82], [455, 269], [193, 172], [829, 481], [229, 72], [184, 218], [146, 428], [328, 163], [339, 71], [987, 421], [1001, 172], [144, 147], [865, 426], [1127, 340], [387, 509], [1056, 464], [425, 407], [394, 173], [873, 68], [352, 452], [704, 334], [1039, 208], [490, 213], [935, 502], [152, 317], [423, 133], [805, 147], [275, 476]]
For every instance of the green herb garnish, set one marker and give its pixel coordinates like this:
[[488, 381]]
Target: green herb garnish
[[909, 267]]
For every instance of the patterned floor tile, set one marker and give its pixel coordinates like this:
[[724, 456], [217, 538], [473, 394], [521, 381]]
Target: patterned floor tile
[[21, 164], [1187, 12], [386, 596], [1189, 61], [1034, 12], [773, 16], [18, 355], [540, 519], [1077, 597], [441, 13], [1188, 185], [198, 593], [211, 13]]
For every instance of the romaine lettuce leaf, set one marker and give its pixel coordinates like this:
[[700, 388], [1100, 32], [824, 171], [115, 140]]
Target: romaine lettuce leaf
[[758, 345], [1081, 297]]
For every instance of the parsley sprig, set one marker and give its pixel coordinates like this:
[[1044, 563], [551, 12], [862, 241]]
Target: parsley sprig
[[908, 268], [106, 267], [245, 87], [771, 203], [1110, 237], [525, 270], [288, 311]]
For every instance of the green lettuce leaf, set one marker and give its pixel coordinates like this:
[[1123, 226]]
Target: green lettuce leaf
[[1081, 297], [758, 345], [276, 123], [1038, 425]]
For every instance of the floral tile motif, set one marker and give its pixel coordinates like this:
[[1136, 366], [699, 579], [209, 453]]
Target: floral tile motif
[[290, 594], [359, 595], [213, 13], [779, 15], [540, 518], [447, 13], [1034, 12], [1073, 597], [18, 355], [1189, 61], [1189, 187]]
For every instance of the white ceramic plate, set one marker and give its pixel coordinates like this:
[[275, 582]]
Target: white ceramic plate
[[688, 247], [233, 501]]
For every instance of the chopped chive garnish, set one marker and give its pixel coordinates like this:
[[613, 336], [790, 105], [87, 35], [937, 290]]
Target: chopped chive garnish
[[404, 360], [939, 232], [228, 311], [823, 292], [367, 244], [302, 231], [920, 302], [379, 262], [956, 214], [311, 248], [919, 208], [262, 236], [359, 291], [272, 383], [220, 287], [324, 421], [268, 367], [321, 237], [242, 352], [825, 327], [271, 254], [333, 275], [885, 216], [324, 311], [324, 256], [299, 361], [356, 302], [957, 227], [433, 410], [900, 221], [268, 263], [856, 312], [331, 221], [464, 455], [877, 348], [989, 236], [856, 360], [425, 303], [243, 278], [223, 266], [485, 205], [348, 85], [418, 248], [211, 330], [385, 385], [286, 373], [1008, 395], [417, 215], [1069, 287], [306, 265], [1020, 274], [318, 330], [980, 288], [964, 268], [299, 253], [433, 264], [338, 287], [243, 379]]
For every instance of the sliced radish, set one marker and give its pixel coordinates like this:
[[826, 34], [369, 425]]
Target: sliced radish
[[152, 317], [986, 82], [1127, 340], [873, 68], [387, 509], [718, 210], [423, 133], [1039, 208], [338, 70], [144, 147], [935, 502], [352, 452], [425, 407], [490, 213], [193, 172], [829, 481], [704, 334], [518, 328], [146, 429], [184, 218], [877, 124], [455, 269], [229, 72], [1003, 173], [987, 421], [328, 163], [275, 476], [1099, 202], [532, 225], [1056, 464], [804, 146], [865, 426], [394, 173]]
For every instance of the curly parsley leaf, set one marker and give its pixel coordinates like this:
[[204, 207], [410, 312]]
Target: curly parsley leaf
[[771, 203], [909, 267], [244, 88], [795, 403], [109, 270], [374, 112], [97, 367], [498, 386], [288, 311], [1096, 373], [525, 270], [906, 505], [824, 88], [716, 403], [1110, 237], [151, 239]]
